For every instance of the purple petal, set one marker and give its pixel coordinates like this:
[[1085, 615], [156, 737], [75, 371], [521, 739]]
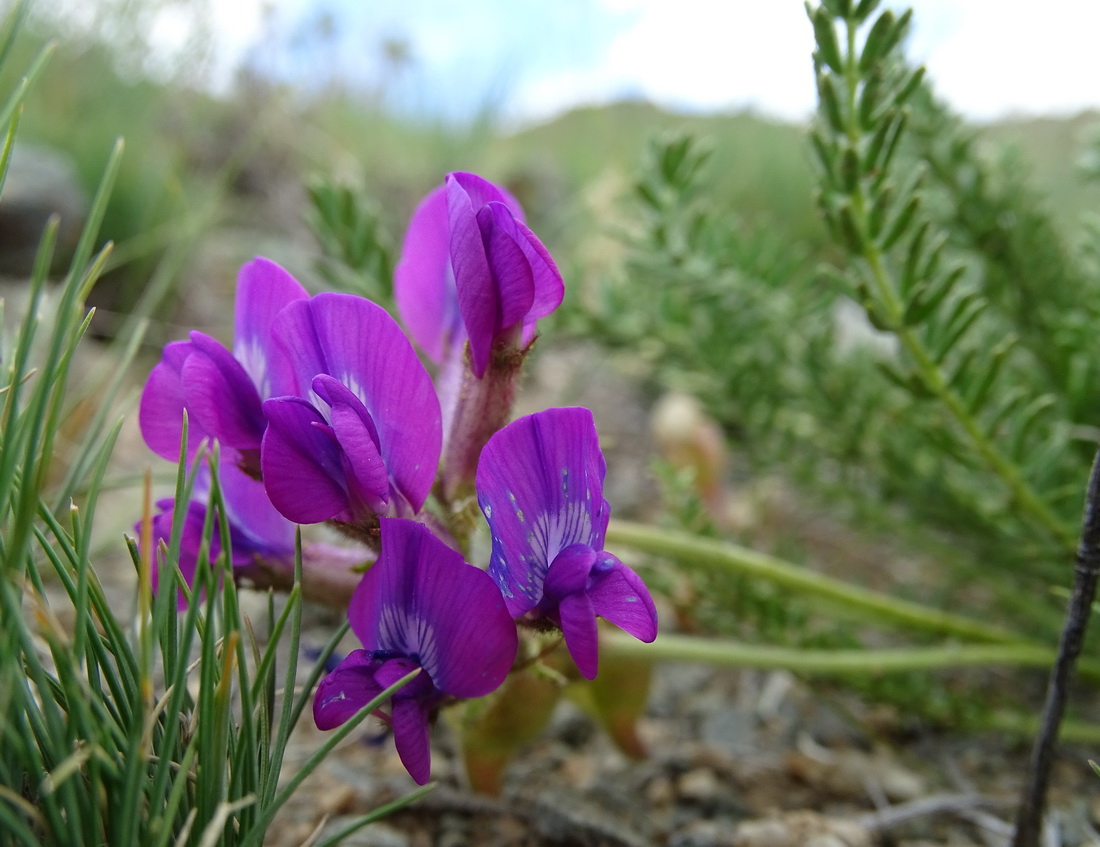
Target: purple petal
[[255, 524], [482, 192], [346, 690], [263, 290], [410, 736], [190, 541], [619, 596], [548, 283], [569, 571], [220, 395], [361, 346], [296, 342], [160, 414], [422, 599], [578, 625], [423, 284], [540, 484], [477, 295], [491, 303], [357, 436], [511, 270], [302, 463]]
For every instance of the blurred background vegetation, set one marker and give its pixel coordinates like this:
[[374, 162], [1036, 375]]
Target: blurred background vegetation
[[242, 161]]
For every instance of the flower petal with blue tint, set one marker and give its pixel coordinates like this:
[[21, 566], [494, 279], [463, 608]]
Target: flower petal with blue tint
[[190, 541], [578, 625], [511, 270], [420, 605], [549, 287], [421, 598], [478, 299], [222, 391], [410, 736], [540, 484], [256, 525], [425, 280], [256, 531], [482, 192], [367, 478], [346, 690], [619, 596], [568, 573]]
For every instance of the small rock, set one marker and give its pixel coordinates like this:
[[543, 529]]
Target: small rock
[[853, 774], [702, 834], [659, 792], [801, 829], [699, 785], [41, 182], [372, 835], [338, 800], [455, 831]]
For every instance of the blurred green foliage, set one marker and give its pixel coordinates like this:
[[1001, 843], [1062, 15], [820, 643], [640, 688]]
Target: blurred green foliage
[[930, 373]]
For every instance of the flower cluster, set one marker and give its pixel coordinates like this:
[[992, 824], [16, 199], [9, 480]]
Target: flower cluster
[[323, 412]]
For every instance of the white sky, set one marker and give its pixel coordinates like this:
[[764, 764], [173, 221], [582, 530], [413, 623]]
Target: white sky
[[987, 58]]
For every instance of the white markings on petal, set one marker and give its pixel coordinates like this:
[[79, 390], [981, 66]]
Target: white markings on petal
[[411, 635], [252, 358], [554, 531]]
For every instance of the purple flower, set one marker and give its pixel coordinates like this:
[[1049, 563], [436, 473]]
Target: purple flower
[[420, 606], [359, 433], [471, 269], [222, 391], [259, 537], [540, 485]]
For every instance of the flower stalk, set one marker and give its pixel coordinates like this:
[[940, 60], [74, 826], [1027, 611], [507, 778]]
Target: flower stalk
[[844, 663], [852, 599]]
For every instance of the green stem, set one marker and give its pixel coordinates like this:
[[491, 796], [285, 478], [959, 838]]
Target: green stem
[[857, 662], [718, 555], [938, 385]]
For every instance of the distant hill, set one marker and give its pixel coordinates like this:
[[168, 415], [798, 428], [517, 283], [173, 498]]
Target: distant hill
[[1053, 149], [759, 166]]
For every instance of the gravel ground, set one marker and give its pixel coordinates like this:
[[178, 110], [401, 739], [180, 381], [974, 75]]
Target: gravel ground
[[734, 759]]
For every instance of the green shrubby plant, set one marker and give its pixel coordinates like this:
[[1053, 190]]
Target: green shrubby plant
[[960, 411]]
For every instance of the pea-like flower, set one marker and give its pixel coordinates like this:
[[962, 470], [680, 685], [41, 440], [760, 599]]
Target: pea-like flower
[[359, 434], [471, 269], [222, 391], [473, 277], [420, 606], [540, 485]]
